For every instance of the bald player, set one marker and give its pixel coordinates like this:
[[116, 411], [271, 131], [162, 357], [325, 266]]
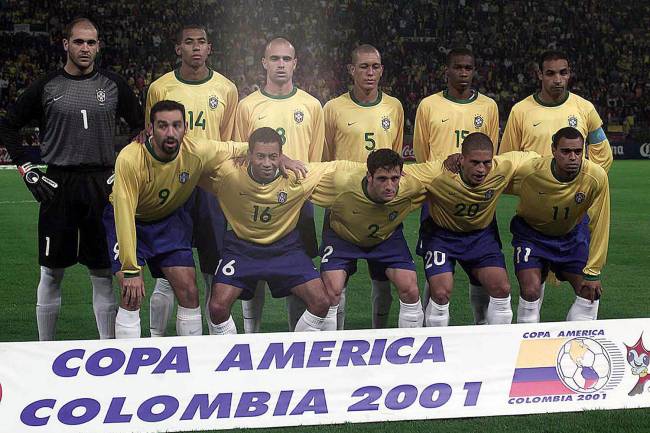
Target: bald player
[[442, 122], [210, 101], [533, 121], [356, 124], [462, 207], [298, 119], [367, 204], [556, 192], [147, 221], [263, 209]]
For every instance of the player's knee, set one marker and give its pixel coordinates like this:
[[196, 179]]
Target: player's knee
[[188, 295], [409, 293], [500, 290], [219, 312], [440, 294]]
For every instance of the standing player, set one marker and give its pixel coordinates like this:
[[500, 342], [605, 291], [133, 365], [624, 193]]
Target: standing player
[[357, 123], [442, 122], [149, 221], [263, 209], [534, 120], [210, 101], [76, 108], [556, 192], [463, 228], [298, 118]]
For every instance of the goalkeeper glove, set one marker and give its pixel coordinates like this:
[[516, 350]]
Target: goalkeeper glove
[[42, 188]]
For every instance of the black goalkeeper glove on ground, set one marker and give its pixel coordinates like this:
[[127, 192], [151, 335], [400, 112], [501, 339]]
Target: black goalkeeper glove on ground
[[42, 188]]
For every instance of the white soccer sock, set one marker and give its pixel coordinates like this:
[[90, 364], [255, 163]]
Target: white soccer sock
[[436, 314], [381, 302], [188, 321], [499, 311], [225, 328], [527, 312], [252, 309], [127, 323], [541, 295], [309, 322], [48, 302], [480, 300], [583, 309], [104, 304], [295, 308], [161, 305], [330, 319], [340, 312], [410, 315]]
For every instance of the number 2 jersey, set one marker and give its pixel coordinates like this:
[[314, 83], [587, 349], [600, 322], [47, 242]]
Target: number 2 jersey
[[149, 189], [554, 207], [76, 116]]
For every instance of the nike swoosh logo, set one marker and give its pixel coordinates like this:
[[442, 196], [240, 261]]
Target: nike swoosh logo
[[444, 120], [356, 212], [540, 192], [56, 98], [242, 193], [261, 117], [351, 123], [535, 124]]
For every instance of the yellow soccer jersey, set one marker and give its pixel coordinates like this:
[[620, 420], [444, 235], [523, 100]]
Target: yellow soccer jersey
[[262, 213], [358, 219], [457, 206], [442, 123], [354, 129], [148, 189], [297, 117], [210, 104], [554, 208], [532, 123]]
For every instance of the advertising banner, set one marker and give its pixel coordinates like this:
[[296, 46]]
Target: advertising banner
[[285, 379]]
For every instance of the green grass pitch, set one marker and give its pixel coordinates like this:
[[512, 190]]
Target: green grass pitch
[[624, 281]]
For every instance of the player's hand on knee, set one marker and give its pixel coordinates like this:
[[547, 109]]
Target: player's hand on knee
[[132, 290], [42, 187], [298, 167], [591, 290]]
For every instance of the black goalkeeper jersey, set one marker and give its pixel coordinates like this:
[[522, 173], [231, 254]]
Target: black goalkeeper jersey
[[76, 116]]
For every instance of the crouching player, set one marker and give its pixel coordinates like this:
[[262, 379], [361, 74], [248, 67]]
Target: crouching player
[[146, 220], [463, 228], [368, 203], [556, 192], [263, 208]]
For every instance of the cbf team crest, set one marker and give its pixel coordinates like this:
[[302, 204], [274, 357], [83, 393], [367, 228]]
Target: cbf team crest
[[282, 197], [385, 123], [478, 121], [183, 176], [298, 116], [580, 197], [101, 96], [213, 102], [392, 215], [573, 121]]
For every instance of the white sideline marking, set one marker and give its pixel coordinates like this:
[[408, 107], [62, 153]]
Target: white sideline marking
[[17, 202]]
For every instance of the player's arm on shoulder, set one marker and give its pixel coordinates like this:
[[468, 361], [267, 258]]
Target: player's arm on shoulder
[[325, 177], [425, 172], [599, 221], [421, 133]]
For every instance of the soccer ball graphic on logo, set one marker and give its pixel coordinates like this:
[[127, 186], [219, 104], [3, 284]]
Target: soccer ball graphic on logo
[[583, 365]]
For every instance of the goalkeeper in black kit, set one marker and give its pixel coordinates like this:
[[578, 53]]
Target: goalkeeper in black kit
[[76, 108]]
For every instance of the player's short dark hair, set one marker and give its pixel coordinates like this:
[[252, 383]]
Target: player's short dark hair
[[191, 26], [67, 32], [476, 141], [551, 55], [166, 105], [264, 135], [567, 132], [456, 52], [363, 48], [387, 159]]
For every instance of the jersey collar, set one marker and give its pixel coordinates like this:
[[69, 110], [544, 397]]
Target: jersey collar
[[250, 173], [149, 147], [546, 104], [289, 95], [366, 104], [554, 172], [472, 97], [177, 74], [80, 77]]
